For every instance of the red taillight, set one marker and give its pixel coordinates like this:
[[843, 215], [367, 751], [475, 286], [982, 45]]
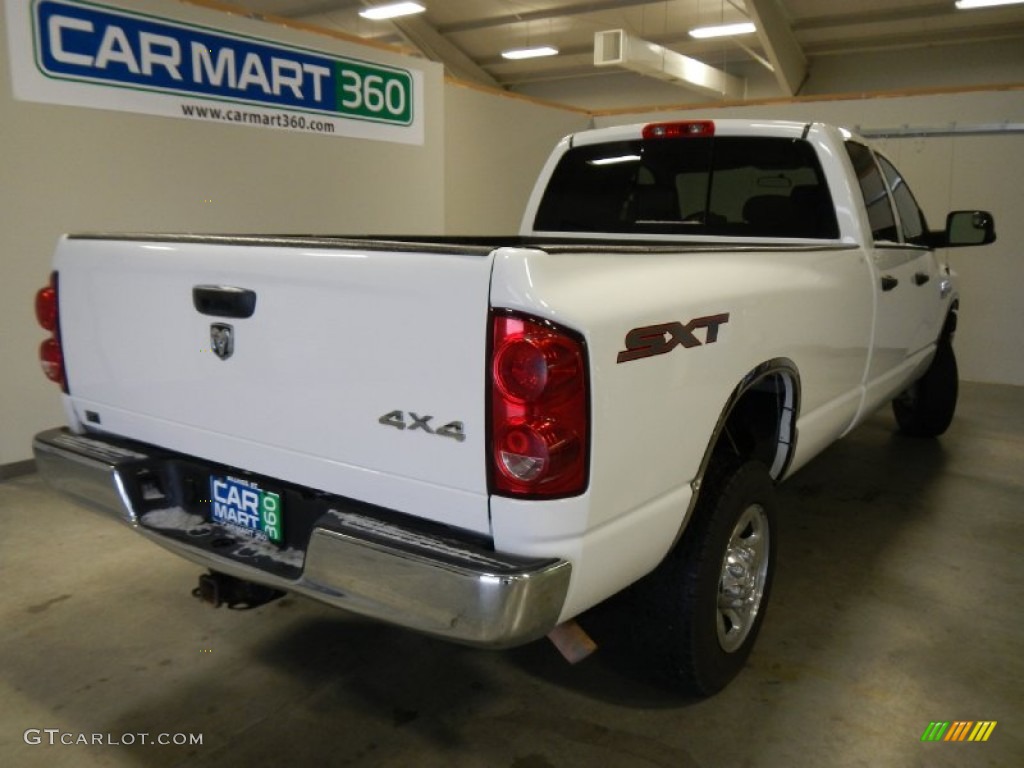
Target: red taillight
[[530, 366], [52, 360], [539, 409], [46, 307], [688, 129], [51, 356]]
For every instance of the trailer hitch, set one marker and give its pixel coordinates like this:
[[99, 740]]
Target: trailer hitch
[[219, 589]]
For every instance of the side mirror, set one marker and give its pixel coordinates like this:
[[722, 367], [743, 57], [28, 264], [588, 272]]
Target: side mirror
[[964, 228]]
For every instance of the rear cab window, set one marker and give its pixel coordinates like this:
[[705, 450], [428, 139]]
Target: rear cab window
[[724, 186]]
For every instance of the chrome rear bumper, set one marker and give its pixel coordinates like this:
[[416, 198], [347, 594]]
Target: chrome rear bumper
[[441, 585]]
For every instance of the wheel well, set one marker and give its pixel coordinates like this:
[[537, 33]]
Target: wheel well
[[949, 327], [758, 422], [760, 419]]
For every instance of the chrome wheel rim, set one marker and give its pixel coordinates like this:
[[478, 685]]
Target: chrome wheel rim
[[743, 577]]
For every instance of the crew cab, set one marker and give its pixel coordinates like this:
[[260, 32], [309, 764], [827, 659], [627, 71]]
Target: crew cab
[[482, 438]]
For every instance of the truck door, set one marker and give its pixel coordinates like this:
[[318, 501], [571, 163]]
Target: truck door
[[907, 280]]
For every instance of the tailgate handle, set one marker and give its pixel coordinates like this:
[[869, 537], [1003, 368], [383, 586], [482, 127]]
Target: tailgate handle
[[224, 300]]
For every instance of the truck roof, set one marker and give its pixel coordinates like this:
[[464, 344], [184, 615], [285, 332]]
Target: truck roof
[[701, 126]]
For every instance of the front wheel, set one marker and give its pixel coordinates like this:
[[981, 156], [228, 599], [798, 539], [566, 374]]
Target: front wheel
[[703, 606], [926, 409]]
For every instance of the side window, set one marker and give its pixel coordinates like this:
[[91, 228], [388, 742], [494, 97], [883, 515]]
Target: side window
[[876, 196], [915, 228]]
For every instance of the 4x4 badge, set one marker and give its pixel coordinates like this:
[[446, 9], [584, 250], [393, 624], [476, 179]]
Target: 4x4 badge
[[222, 340], [453, 429]]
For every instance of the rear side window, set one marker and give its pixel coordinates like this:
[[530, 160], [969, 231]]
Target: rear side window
[[733, 186], [915, 227], [876, 196]]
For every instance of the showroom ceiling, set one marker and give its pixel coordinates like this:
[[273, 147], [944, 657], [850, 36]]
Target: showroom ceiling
[[469, 36]]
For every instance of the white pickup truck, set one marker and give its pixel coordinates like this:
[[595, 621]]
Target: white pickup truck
[[482, 438]]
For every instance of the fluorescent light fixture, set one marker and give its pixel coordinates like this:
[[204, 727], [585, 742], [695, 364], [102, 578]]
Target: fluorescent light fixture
[[529, 53], [725, 30], [391, 11], [969, 5]]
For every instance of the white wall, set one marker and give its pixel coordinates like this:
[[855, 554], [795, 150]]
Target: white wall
[[945, 173], [494, 148], [72, 169]]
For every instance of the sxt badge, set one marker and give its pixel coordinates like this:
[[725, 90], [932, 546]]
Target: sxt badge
[[652, 340]]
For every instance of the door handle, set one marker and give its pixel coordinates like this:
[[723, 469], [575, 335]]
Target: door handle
[[223, 301], [889, 282], [921, 278]]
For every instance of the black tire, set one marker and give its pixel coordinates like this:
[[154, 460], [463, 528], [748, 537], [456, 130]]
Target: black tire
[[926, 409], [683, 621]]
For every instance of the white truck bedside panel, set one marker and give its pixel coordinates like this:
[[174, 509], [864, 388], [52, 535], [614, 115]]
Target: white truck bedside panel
[[811, 306]]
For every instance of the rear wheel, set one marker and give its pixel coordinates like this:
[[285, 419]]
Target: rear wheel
[[703, 606], [926, 408]]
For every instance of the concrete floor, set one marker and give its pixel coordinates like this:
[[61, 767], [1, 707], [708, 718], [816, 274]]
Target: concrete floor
[[896, 603]]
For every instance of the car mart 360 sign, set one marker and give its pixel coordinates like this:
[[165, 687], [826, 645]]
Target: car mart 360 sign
[[142, 63]]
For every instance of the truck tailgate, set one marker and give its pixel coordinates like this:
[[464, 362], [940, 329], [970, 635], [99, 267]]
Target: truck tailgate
[[353, 360]]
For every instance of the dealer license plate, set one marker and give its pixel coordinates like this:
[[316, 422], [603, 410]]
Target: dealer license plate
[[245, 507]]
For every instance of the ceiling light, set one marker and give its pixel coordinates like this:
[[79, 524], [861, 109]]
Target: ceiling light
[[615, 160], [968, 5], [529, 53], [726, 30], [391, 11]]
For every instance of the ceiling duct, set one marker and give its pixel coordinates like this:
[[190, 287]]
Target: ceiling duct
[[617, 48]]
